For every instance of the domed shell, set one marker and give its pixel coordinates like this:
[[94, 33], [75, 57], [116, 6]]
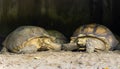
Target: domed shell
[[97, 31], [60, 38], [15, 40]]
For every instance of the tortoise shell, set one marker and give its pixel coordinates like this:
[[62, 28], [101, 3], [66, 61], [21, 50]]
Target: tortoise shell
[[60, 38], [19, 38], [96, 31]]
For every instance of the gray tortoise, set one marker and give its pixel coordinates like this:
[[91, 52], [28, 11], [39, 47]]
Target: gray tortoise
[[91, 38], [29, 39], [60, 38]]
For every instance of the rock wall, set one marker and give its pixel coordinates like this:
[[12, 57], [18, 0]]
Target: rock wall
[[55, 14]]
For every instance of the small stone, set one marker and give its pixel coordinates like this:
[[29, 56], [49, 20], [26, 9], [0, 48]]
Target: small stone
[[36, 57]]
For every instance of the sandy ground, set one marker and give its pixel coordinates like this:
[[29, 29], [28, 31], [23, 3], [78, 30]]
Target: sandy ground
[[61, 60]]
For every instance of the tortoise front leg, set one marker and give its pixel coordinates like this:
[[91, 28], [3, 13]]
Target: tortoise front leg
[[70, 46], [95, 45], [4, 50], [53, 46], [90, 47]]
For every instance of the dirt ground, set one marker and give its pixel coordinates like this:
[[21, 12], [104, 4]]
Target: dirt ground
[[61, 60]]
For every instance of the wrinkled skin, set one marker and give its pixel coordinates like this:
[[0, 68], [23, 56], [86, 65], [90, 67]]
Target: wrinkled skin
[[70, 46], [85, 44]]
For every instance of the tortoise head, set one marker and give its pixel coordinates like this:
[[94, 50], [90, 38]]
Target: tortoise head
[[79, 41]]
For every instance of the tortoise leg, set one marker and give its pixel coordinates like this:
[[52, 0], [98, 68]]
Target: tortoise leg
[[70, 46], [117, 47], [28, 49], [54, 47], [90, 49], [4, 50], [95, 45], [90, 46]]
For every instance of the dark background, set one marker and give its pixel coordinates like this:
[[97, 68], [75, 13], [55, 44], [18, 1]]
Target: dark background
[[62, 15], [116, 17]]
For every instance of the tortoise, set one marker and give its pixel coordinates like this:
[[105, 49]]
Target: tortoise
[[92, 38], [60, 38], [29, 39]]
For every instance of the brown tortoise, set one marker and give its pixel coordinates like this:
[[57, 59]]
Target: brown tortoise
[[28, 39], [92, 37]]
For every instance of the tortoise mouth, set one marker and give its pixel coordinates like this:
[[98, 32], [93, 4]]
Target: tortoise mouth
[[81, 47]]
